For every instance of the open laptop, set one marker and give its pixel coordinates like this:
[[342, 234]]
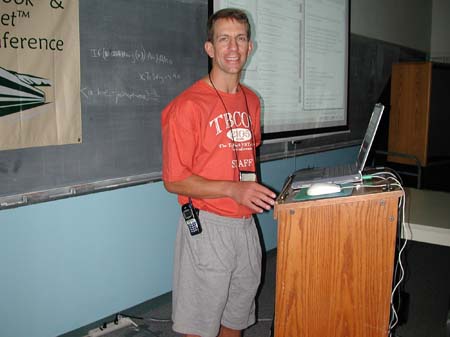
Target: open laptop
[[344, 173]]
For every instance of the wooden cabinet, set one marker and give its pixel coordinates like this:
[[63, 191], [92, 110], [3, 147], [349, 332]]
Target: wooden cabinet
[[335, 262], [419, 117]]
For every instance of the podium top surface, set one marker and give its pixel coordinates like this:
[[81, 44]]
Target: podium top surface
[[299, 198]]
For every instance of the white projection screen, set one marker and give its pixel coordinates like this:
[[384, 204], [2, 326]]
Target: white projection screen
[[299, 67]]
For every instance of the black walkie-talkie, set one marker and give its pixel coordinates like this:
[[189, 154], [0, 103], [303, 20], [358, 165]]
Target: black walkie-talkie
[[191, 218]]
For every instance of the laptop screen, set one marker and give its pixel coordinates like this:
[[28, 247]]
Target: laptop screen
[[369, 136]]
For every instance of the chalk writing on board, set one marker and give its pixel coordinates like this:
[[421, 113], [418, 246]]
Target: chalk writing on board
[[138, 55], [148, 76], [117, 96]]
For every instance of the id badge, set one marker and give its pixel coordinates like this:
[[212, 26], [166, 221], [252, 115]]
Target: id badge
[[247, 176]]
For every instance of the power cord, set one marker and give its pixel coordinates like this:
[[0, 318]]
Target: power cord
[[391, 179], [158, 320], [166, 320]]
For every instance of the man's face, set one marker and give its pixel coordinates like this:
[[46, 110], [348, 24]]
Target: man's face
[[230, 46]]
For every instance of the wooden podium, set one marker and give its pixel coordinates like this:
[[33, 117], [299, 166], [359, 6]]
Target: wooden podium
[[335, 263]]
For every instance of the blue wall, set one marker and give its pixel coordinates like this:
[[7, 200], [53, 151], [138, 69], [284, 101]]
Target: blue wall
[[67, 263]]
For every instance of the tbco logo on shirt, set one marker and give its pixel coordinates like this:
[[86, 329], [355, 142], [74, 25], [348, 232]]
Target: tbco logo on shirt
[[237, 124], [239, 135]]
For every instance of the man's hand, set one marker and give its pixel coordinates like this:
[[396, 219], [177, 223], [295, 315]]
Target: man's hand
[[253, 195]]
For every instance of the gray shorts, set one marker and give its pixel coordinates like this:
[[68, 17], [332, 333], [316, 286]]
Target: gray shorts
[[216, 275]]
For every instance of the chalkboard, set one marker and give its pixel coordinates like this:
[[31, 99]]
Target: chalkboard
[[135, 57], [370, 64]]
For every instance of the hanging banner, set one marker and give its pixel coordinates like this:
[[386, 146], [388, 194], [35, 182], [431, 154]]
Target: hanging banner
[[39, 73]]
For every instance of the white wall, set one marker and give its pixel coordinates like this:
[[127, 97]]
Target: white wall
[[402, 22], [440, 31]]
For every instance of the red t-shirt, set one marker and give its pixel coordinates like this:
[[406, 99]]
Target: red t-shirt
[[200, 137]]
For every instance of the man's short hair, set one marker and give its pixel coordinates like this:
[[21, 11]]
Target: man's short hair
[[227, 13]]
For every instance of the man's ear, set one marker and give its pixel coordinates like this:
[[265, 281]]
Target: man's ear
[[250, 48], [209, 48]]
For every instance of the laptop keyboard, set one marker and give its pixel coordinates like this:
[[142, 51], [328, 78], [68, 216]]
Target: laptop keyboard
[[338, 171], [307, 176]]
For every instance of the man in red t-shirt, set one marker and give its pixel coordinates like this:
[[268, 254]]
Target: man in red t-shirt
[[210, 134]]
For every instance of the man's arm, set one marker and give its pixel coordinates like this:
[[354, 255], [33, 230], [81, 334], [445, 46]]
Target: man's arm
[[248, 193]]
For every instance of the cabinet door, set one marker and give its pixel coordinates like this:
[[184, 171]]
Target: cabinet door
[[409, 114]]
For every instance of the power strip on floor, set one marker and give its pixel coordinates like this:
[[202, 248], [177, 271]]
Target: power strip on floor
[[120, 323]]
